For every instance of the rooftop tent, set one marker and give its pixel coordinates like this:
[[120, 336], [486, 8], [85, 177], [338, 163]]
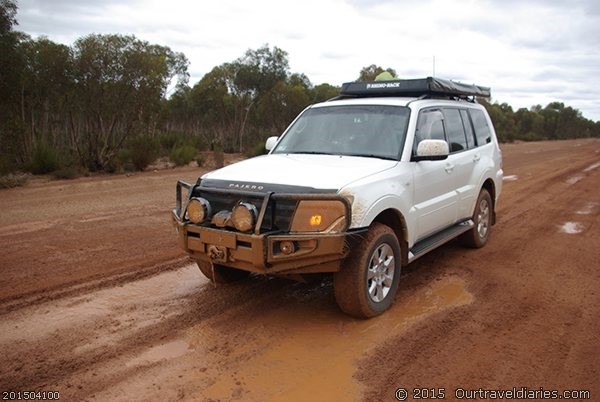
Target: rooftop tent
[[415, 87]]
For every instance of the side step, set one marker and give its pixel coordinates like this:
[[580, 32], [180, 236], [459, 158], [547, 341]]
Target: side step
[[434, 241]]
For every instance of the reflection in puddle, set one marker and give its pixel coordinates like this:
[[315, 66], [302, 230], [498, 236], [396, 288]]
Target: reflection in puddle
[[588, 209], [572, 227], [592, 167], [512, 177], [315, 359], [574, 179]]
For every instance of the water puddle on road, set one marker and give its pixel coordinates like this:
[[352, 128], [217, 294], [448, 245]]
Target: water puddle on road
[[575, 179], [592, 167], [111, 313], [572, 228], [512, 177], [315, 359], [591, 208]]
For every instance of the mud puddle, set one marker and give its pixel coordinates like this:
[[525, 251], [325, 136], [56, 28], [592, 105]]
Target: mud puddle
[[256, 349], [315, 359]]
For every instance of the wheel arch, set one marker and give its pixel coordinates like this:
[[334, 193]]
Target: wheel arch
[[394, 219], [491, 188]]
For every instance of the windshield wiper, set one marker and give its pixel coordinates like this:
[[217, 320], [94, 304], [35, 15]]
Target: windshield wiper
[[389, 158], [310, 153]]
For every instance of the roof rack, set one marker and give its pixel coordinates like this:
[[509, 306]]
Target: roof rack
[[429, 86]]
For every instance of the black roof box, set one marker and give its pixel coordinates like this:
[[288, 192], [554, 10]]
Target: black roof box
[[413, 88]]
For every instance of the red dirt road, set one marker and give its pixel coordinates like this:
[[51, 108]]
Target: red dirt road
[[98, 303]]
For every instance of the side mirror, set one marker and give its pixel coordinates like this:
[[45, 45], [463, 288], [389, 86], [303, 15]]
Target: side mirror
[[432, 150], [270, 144]]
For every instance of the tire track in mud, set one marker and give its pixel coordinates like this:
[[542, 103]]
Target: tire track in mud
[[64, 361], [96, 282]]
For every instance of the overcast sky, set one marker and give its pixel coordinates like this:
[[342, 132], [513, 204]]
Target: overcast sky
[[529, 52]]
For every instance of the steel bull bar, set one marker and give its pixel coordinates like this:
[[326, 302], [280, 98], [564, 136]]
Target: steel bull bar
[[260, 250]]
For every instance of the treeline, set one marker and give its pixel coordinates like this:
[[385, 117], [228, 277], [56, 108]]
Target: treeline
[[102, 103], [553, 122]]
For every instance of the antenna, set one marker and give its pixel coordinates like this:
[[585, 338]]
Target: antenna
[[433, 66]]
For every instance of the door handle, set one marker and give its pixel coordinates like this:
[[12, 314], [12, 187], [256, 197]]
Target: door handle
[[476, 158], [449, 168]]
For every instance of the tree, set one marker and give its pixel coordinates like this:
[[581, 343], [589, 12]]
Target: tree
[[45, 88], [370, 72], [324, 92], [256, 73], [119, 83], [11, 67], [215, 106]]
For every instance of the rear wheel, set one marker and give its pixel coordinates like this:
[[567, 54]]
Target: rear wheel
[[367, 283], [222, 274], [482, 217]]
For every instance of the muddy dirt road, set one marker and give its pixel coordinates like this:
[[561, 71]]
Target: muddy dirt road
[[98, 303]]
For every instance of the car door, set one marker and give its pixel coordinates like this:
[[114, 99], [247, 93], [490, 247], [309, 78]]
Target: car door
[[435, 197], [463, 159]]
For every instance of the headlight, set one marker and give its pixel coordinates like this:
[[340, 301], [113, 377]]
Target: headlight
[[198, 210], [319, 216], [243, 216]]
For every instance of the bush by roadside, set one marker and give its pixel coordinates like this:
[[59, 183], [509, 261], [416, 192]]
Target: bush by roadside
[[13, 180], [183, 155]]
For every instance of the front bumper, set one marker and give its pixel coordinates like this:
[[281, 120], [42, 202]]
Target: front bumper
[[263, 252]]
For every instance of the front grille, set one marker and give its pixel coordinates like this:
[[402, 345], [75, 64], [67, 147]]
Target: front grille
[[278, 215]]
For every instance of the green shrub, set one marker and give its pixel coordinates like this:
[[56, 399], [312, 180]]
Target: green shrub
[[45, 159], [13, 180], [197, 142], [168, 141], [141, 152], [66, 173], [258, 149], [183, 155]]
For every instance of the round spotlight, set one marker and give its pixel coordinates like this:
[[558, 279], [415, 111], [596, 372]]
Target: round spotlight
[[287, 247], [198, 210], [243, 216]]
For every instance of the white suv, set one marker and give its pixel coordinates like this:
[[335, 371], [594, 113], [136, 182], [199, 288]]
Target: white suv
[[358, 186]]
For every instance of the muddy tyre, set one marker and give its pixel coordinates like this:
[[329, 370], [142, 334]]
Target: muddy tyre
[[221, 274], [367, 283], [482, 217]]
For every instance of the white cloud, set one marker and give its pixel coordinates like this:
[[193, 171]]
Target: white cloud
[[528, 52]]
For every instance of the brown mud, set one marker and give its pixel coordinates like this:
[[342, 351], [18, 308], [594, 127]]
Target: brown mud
[[98, 303]]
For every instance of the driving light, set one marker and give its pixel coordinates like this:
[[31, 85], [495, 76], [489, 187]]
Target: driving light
[[243, 216], [287, 247], [198, 210]]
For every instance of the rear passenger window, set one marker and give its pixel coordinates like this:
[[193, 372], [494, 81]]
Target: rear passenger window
[[455, 132], [468, 128], [482, 130]]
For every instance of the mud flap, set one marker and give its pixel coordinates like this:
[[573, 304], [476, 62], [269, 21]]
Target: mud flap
[[212, 270]]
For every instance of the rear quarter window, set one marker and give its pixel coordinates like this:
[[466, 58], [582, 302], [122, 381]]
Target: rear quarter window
[[455, 131], [480, 125], [466, 120]]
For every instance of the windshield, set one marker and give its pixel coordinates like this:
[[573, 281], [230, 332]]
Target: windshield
[[356, 130]]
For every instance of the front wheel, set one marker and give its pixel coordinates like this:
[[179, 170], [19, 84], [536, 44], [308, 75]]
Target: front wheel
[[367, 283], [482, 217], [222, 274]]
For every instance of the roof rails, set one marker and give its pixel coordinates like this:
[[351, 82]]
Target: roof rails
[[422, 87]]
